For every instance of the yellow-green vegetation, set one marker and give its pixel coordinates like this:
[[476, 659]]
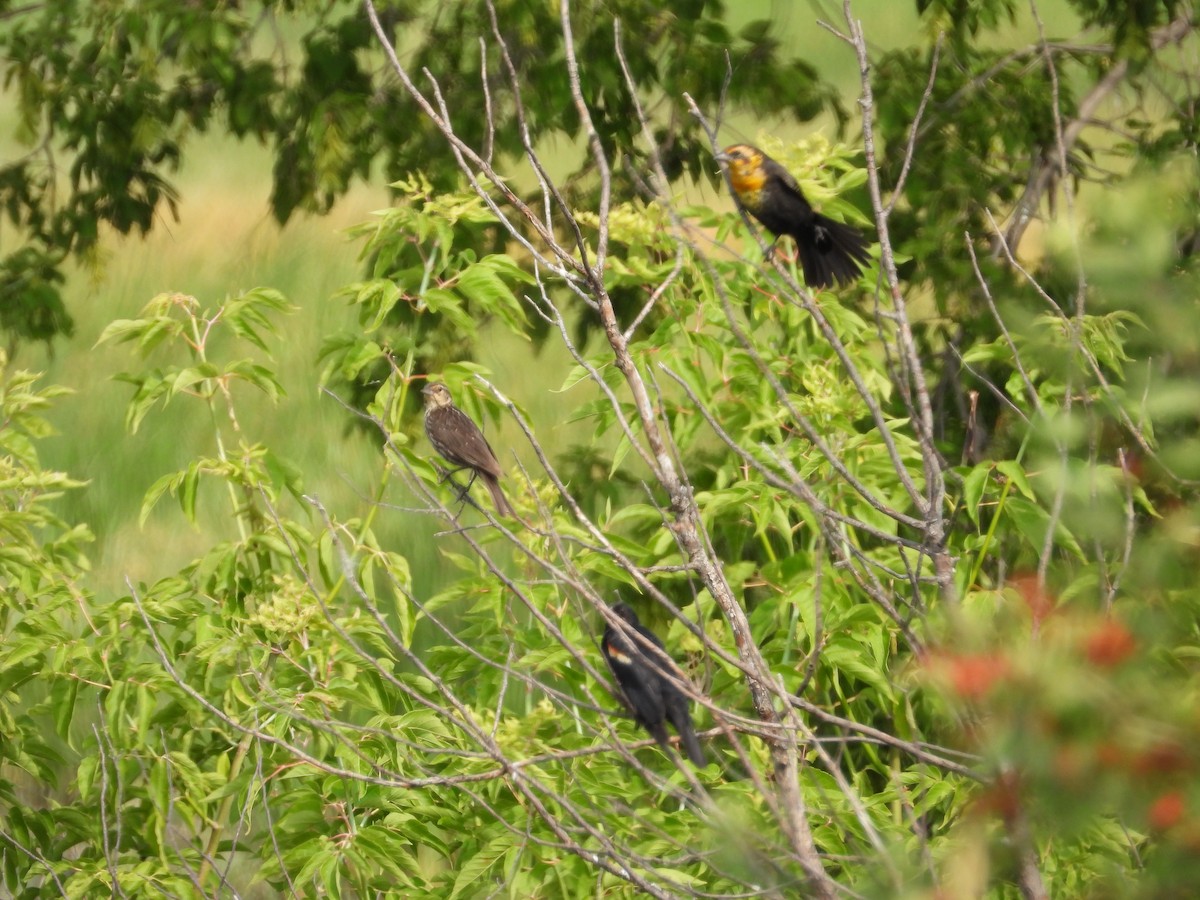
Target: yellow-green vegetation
[[920, 550], [224, 244]]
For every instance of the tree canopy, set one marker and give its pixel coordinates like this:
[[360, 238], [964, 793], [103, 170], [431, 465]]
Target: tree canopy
[[923, 547]]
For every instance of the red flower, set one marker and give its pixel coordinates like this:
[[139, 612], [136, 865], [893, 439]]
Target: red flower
[[1110, 644], [1166, 811], [972, 677], [1039, 601]]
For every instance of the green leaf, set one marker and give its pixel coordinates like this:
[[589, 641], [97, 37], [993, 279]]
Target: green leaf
[[974, 484], [377, 298], [472, 870], [260, 376], [63, 694], [481, 284], [163, 484], [123, 330], [1013, 470], [184, 379], [151, 388], [85, 776], [187, 491]]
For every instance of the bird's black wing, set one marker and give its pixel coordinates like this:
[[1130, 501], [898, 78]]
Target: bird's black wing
[[676, 705], [789, 187], [782, 207], [830, 252], [641, 684]]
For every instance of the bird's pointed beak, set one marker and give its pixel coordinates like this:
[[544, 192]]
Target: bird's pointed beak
[[722, 157], [427, 389]]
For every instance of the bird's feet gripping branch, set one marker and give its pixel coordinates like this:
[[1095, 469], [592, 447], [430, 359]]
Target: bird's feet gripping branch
[[830, 252]]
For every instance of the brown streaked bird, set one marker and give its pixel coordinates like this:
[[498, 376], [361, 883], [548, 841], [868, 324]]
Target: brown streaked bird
[[647, 680], [830, 252], [462, 444]]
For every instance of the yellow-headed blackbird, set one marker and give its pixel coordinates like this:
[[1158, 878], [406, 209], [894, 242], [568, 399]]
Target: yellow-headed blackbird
[[651, 694], [461, 443], [829, 251]]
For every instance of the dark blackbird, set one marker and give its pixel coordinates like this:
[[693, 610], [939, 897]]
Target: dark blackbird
[[461, 443], [829, 251], [652, 695]]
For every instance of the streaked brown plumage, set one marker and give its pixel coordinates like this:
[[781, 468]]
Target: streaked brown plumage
[[830, 252], [461, 443]]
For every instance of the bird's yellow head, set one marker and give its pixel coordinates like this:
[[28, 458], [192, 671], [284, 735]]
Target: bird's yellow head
[[746, 166], [436, 395]]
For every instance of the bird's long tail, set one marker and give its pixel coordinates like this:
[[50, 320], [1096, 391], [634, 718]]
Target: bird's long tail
[[503, 507], [691, 745], [830, 252]]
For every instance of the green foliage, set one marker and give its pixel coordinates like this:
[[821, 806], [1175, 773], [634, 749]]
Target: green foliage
[[112, 92], [985, 668]]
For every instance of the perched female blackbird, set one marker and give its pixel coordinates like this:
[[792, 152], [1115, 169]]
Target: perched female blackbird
[[829, 251], [652, 695], [461, 443]]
